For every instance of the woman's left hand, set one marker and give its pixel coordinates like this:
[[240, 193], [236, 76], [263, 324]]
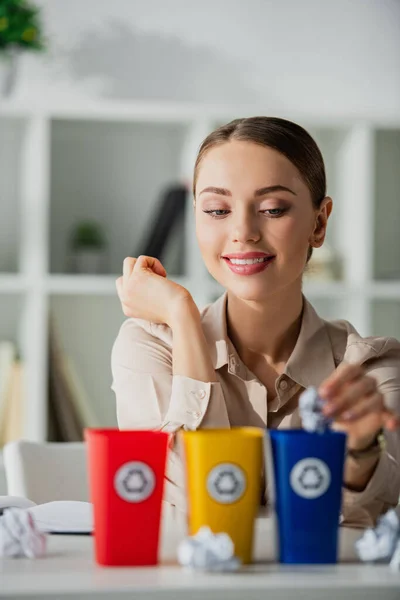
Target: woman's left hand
[[356, 406]]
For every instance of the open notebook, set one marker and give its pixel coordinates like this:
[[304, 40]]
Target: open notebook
[[60, 516]]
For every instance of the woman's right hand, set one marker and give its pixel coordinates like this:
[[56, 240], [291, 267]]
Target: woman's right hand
[[146, 293]]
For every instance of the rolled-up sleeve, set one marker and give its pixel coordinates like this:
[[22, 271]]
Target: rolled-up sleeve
[[361, 509], [381, 360], [149, 396]]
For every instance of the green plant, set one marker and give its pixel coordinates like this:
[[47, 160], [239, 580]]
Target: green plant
[[88, 234], [20, 26]]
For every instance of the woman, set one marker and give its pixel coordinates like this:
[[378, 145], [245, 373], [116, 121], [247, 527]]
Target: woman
[[261, 207]]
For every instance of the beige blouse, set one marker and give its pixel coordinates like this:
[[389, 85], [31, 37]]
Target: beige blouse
[[149, 396]]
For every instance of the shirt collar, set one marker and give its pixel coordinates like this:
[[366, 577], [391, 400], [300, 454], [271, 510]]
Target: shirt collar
[[312, 358]]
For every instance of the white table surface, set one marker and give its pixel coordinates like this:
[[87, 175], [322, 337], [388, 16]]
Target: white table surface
[[69, 571]]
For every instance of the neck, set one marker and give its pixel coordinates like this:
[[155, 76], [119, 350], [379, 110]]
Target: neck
[[268, 328]]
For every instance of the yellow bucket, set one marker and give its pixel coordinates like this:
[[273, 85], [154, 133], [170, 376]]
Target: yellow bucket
[[223, 482]]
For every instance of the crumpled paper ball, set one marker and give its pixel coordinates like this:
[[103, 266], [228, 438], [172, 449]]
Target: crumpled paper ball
[[379, 543], [208, 551], [310, 409], [19, 535]]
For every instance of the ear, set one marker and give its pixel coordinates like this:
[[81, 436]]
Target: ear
[[321, 221]]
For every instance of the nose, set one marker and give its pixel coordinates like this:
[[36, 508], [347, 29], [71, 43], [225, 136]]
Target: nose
[[245, 227]]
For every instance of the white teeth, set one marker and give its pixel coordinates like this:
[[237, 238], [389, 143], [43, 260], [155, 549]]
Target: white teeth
[[247, 261]]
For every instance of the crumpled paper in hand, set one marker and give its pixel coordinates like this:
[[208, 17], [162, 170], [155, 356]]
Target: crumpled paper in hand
[[310, 409], [19, 535], [208, 551], [379, 544]]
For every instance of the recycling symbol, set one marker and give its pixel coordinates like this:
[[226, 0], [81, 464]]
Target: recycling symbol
[[310, 478], [226, 483], [134, 481]]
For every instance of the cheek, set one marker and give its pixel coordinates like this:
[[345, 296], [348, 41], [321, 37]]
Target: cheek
[[290, 237], [209, 237]]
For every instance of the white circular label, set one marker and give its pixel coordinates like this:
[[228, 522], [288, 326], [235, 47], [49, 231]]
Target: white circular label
[[134, 481], [226, 483], [310, 478]]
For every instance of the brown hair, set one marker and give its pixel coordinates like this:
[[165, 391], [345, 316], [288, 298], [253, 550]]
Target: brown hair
[[286, 137]]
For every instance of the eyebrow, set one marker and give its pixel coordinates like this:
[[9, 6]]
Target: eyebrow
[[260, 192]]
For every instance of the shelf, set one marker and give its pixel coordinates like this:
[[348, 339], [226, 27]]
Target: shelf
[[11, 142], [386, 318], [81, 284], [81, 107], [88, 109], [105, 285], [384, 289], [3, 482], [375, 289], [104, 110], [326, 289], [10, 284], [76, 159], [11, 313], [387, 205], [87, 328], [120, 171], [331, 142], [89, 284]]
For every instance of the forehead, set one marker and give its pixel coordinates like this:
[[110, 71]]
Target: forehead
[[240, 163]]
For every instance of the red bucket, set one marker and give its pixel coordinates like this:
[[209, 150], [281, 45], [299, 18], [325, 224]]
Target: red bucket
[[126, 477]]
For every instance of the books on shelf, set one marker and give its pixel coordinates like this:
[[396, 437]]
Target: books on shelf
[[11, 393], [79, 395], [165, 227], [13, 423], [7, 356], [69, 409], [325, 265]]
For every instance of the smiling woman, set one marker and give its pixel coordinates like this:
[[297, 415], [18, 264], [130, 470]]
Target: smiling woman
[[289, 167], [259, 194]]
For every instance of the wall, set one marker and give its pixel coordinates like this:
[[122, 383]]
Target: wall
[[339, 57]]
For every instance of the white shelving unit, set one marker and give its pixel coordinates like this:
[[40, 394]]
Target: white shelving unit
[[109, 161]]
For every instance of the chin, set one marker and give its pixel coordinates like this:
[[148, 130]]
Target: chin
[[251, 291]]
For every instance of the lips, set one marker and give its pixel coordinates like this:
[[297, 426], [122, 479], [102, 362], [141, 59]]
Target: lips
[[249, 268], [248, 261], [248, 255]]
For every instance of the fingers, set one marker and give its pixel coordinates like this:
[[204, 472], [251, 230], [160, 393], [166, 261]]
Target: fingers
[[350, 396], [120, 290], [370, 404], [345, 373], [159, 269], [149, 262], [142, 262], [119, 283], [132, 265], [128, 266], [391, 421]]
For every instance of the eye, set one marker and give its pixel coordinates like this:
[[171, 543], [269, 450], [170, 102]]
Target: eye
[[275, 212], [216, 213]]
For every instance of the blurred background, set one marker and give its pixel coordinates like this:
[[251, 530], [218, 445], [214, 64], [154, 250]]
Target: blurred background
[[102, 108]]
